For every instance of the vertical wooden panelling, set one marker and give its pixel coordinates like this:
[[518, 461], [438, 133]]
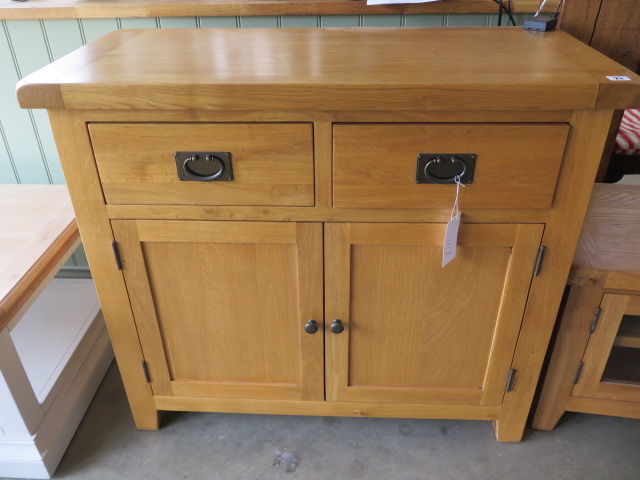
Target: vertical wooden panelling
[[466, 20], [7, 172], [269, 21], [139, 22], [300, 21], [518, 17], [18, 54], [382, 20], [93, 28], [424, 20], [63, 36], [340, 20], [219, 22], [178, 22]]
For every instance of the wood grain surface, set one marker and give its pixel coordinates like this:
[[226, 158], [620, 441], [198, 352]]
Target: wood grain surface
[[375, 165], [231, 324], [386, 283], [610, 238], [37, 229], [272, 163], [414, 69]]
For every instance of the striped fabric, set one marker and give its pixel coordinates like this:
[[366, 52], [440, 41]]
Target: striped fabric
[[628, 139]]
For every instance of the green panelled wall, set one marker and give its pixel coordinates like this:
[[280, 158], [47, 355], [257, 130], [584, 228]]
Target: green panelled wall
[[27, 149]]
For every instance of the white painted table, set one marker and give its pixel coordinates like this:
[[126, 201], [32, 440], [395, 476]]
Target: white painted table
[[54, 348]]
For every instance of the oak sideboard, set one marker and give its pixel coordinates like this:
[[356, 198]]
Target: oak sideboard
[[264, 211]]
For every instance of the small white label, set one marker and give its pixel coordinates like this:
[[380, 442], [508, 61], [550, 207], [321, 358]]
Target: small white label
[[619, 78], [450, 240]]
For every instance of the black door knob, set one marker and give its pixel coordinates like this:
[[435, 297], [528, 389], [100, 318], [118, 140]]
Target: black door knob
[[311, 327], [337, 326]]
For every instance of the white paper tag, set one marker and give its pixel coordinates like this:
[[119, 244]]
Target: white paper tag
[[619, 78], [451, 240]]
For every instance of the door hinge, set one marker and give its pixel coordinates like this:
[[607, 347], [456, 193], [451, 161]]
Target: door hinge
[[539, 258], [576, 377], [145, 370], [594, 322], [116, 254], [510, 380]]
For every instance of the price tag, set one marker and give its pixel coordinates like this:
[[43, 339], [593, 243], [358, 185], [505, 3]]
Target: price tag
[[451, 240], [619, 78]]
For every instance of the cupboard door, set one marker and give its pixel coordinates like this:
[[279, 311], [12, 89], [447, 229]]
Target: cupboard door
[[416, 332], [611, 362], [221, 306]]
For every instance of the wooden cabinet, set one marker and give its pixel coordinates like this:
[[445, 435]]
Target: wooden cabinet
[[213, 298], [610, 367], [594, 365]]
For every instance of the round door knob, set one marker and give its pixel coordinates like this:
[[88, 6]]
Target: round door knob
[[311, 327], [337, 326]]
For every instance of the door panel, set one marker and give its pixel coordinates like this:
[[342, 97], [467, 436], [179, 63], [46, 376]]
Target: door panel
[[417, 332], [221, 306]]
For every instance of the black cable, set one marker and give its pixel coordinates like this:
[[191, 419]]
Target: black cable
[[558, 9], [508, 12], [500, 7]]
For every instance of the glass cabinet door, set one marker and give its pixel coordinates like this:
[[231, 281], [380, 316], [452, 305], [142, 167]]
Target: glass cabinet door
[[611, 363]]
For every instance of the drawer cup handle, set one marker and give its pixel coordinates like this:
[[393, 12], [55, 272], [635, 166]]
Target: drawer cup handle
[[445, 168], [204, 166]]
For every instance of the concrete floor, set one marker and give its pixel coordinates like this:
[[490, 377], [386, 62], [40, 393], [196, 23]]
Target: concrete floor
[[210, 446]]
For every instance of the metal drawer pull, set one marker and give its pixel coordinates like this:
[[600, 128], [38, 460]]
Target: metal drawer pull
[[445, 167], [204, 166]]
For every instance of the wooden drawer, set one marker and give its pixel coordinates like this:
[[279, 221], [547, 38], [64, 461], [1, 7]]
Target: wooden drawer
[[272, 163], [517, 164]]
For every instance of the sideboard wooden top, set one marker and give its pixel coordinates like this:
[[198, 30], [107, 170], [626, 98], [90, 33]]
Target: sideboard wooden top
[[332, 69]]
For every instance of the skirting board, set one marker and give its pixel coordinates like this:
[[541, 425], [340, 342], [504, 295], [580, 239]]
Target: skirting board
[[39, 455]]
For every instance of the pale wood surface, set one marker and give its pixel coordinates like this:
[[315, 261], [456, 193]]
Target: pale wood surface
[[375, 165], [598, 406], [272, 163], [178, 8], [83, 182], [572, 338], [441, 69], [583, 151], [342, 409], [37, 228], [231, 325], [393, 296], [321, 214], [610, 238], [591, 383]]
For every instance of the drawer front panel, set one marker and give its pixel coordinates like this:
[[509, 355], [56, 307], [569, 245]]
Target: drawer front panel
[[516, 164], [272, 163]]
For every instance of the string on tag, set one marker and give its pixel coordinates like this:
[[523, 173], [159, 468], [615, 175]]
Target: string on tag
[[449, 248], [455, 210]]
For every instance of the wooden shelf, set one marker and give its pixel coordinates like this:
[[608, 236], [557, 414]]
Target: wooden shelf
[[629, 333], [623, 366], [36, 9]]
